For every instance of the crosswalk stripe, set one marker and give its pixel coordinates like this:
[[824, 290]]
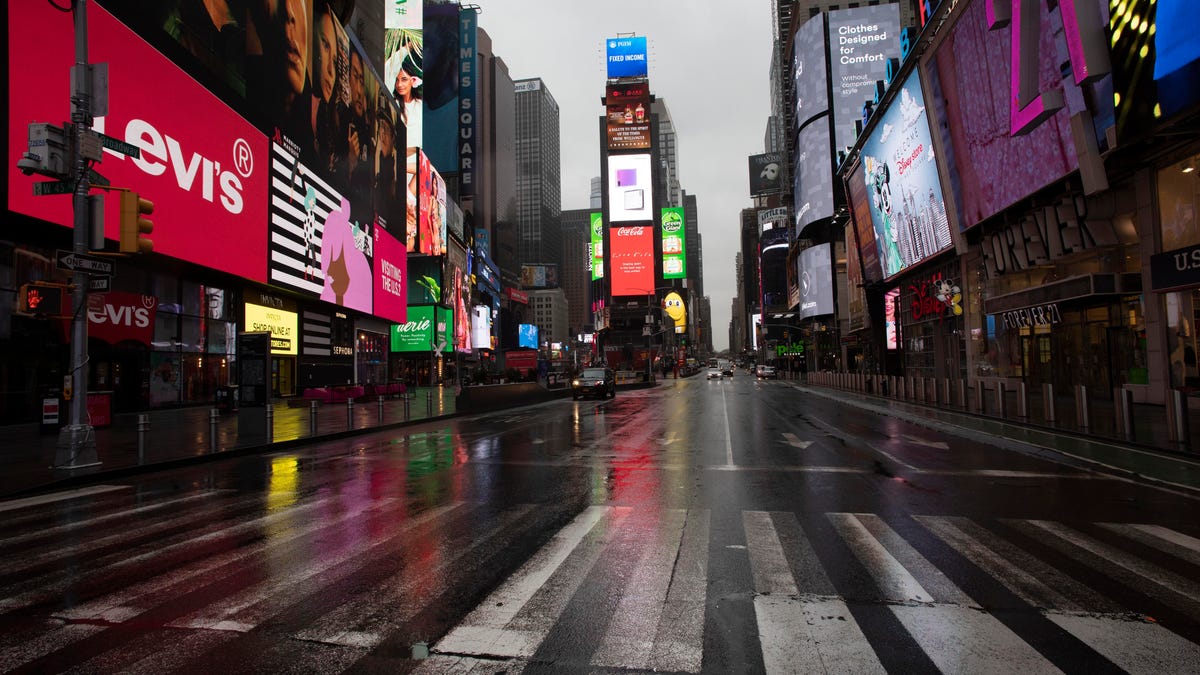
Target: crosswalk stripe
[[895, 583], [243, 611], [1180, 592], [40, 500], [965, 640], [679, 638], [486, 631], [1136, 647], [101, 520], [1027, 577], [1164, 539], [768, 565], [46, 643], [930, 577]]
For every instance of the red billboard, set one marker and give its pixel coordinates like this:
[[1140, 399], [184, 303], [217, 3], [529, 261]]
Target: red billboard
[[632, 257], [116, 317], [391, 278], [628, 112], [203, 166]]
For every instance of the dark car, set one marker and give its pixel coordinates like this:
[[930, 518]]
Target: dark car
[[600, 382]]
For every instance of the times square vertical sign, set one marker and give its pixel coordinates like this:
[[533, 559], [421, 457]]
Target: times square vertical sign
[[467, 60]]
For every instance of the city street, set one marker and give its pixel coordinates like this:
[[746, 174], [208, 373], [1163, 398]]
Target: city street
[[718, 526]]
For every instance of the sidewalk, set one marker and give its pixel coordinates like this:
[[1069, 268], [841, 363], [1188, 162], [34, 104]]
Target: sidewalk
[[184, 435], [1138, 460]]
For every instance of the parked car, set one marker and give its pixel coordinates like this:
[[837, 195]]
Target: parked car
[[601, 382], [713, 373], [766, 372]]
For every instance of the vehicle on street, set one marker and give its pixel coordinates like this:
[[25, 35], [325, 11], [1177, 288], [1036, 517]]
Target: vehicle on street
[[713, 373], [600, 382], [766, 373], [727, 368]]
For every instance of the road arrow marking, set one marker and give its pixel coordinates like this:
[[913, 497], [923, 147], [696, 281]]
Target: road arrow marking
[[921, 441], [796, 442]]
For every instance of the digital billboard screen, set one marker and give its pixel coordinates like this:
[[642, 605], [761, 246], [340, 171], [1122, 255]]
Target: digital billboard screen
[[597, 235], [206, 172], [481, 327], [815, 271], [861, 40], [626, 57], [627, 108], [539, 276], [810, 75], [527, 335], [431, 208], [391, 278], [812, 182], [674, 243], [426, 326], [403, 66], [439, 90], [630, 188], [632, 251], [856, 298], [766, 173], [907, 209], [970, 73], [864, 228]]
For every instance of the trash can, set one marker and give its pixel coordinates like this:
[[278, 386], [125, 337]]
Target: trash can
[[227, 399]]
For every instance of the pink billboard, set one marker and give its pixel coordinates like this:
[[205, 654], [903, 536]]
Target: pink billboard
[[391, 277], [632, 251], [203, 166]]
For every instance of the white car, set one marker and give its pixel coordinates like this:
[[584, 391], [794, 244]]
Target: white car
[[766, 372], [714, 373]]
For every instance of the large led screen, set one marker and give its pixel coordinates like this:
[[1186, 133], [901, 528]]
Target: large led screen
[[597, 235], [815, 271], [627, 107], [674, 243], [527, 335], [481, 327], [812, 182], [439, 86], [205, 171], [630, 188], [427, 221], [315, 246], [766, 173], [391, 278], [810, 75], [426, 326], [855, 297], [626, 57], [864, 230], [970, 73], [459, 295], [773, 268], [403, 67], [861, 40], [907, 209], [632, 251]]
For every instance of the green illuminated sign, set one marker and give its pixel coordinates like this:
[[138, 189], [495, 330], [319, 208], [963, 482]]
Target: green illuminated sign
[[597, 222], [674, 245], [417, 334]]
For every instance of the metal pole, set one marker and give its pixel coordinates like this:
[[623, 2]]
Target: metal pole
[[981, 397], [381, 410], [407, 401], [1001, 400], [1022, 401], [214, 442], [1124, 400], [76, 445], [270, 422], [1048, 401], [1177, 420], [1082, 416], [429, 404], [143, 428], [312, 418], [349, 414], [962, 394]]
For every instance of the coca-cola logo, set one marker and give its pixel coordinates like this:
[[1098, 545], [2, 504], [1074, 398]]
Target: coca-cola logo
[[630, 231]]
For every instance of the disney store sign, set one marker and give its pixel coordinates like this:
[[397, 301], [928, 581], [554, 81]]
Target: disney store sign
[[934, 298]]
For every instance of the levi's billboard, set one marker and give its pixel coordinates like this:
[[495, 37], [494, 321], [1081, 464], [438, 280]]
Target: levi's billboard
[[115, 317], [202, 165]]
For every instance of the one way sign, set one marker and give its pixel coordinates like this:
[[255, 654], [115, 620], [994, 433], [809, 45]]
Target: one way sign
[[78, 262]]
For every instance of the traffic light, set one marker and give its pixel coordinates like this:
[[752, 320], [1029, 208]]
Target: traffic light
[[134, 226], [40, 298]]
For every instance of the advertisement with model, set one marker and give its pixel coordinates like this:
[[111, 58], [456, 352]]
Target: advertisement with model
[[206, 171], [907, 209]]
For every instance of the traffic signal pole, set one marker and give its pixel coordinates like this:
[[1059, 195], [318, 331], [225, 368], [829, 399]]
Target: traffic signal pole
[[76, 446]]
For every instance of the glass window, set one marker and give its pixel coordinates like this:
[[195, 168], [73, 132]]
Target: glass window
[[1179, 199]]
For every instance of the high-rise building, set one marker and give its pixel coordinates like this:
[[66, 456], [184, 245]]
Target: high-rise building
[[495, 198], [668, 155], [539, 233], [575, 275], [550, 314]]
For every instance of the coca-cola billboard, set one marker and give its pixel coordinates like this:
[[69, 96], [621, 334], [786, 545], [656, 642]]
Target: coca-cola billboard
[[116, 317], [632, 259], [202, 165]]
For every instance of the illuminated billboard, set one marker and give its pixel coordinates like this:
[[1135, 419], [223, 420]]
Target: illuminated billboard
[[527, 335], [907, 209], [810, 76], [430, 215], [632, 258], [626, 57], [812, 174], [628, 115], [855, 297], [597, 235], [766, 173], [206, 171], [861, 40], [481, 327], [539, 276], [674, 243], [391, 278], [673, 305], [403, 67], [630, 188], [421, 332], [815, 271], [280, 323], [439, 92], [864, 229]]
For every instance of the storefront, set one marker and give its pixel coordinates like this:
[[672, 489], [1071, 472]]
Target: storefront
[[370, 351], [929, 309], [1175, 273], [327, 347], [413, 345], [277, 316]]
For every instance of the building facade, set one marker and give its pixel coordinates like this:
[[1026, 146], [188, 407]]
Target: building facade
[[539, 174]]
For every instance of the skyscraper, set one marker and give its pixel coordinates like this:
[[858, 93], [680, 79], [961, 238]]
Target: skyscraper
[[539, 233]]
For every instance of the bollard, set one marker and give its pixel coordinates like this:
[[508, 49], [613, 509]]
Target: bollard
[[429, 404], [1123, 398], [380, 410], [962, 394], [1082, 417], [143, 429], [407, 400], [946, 399], [1001, 400], [214, 442], [349, 414], [980, 398], [1048, 401], [270, 423], [312, 418], [1177, 418], [1022, 401]]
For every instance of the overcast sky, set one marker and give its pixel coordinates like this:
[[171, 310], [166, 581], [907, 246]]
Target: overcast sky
[[709, 60]]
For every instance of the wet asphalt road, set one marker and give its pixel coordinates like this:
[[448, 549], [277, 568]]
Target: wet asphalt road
[[716, 526]]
